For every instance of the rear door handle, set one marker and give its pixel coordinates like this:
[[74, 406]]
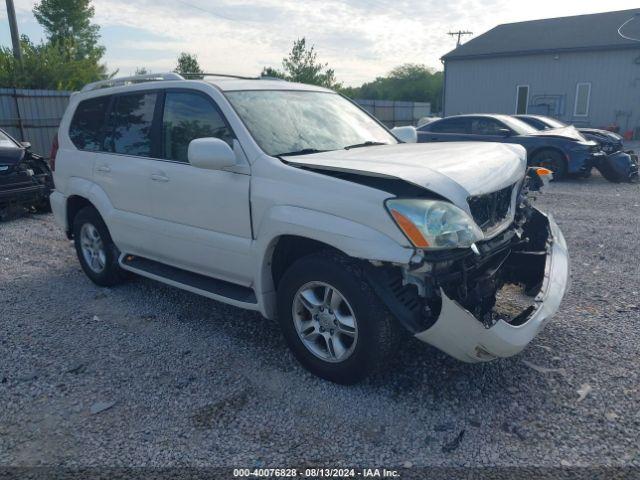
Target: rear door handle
[[159, 177], [104, 169]]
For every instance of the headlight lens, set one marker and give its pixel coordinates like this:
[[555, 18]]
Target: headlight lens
[[433, 224]]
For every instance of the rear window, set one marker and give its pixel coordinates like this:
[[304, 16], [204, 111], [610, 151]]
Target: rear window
[[87, 125]]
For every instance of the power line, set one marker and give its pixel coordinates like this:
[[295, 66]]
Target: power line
[[459, 34]]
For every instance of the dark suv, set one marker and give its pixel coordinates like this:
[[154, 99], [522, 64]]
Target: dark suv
[[564, 150]]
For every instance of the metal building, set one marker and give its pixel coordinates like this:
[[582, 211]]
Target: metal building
[[584, 70]]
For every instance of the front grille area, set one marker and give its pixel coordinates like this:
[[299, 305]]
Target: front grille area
[[491, 209]]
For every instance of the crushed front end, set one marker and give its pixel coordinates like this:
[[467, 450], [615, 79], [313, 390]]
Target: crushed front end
[[490, 300]]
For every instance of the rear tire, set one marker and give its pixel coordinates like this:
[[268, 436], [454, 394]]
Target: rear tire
[[96, 251], [553, 161], [354, 349]]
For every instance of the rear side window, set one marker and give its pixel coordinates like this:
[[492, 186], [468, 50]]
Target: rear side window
[[188, 116], [486, 126], [450, 125], [86, 127], [130, 123]]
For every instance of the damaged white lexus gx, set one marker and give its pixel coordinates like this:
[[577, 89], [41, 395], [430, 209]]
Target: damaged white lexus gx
[[290, 200]]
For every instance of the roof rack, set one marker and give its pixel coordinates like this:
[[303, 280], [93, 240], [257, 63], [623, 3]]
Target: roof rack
[[114, 82], [223, 75]]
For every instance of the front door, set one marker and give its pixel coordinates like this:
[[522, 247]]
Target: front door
[[202, 217]]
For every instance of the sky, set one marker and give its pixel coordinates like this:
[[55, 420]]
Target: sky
[[360, 39]]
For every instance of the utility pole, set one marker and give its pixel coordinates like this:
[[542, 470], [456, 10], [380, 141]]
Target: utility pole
[[459, 34], [13, 26]]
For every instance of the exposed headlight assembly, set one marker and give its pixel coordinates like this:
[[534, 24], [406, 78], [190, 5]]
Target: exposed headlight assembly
[[433, 224]]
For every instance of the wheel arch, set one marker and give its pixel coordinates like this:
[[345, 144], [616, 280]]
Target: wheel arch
[[548, 148], [286, 233]]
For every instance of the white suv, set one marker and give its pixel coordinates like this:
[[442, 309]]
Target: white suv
[[290, 200]]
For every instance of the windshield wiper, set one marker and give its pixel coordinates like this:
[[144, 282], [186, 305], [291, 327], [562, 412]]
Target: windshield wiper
[[304, 151], [364, 144]]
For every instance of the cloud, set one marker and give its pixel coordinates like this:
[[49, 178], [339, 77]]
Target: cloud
[[360, 39]]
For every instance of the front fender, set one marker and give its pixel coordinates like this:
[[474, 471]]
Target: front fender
[[353, 239]]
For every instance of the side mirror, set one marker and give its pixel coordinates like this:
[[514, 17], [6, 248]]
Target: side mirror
[[26, 145], [505, 132], [407, 134], [210, 154]]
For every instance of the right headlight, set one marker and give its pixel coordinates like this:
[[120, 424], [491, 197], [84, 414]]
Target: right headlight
[[433, 224]]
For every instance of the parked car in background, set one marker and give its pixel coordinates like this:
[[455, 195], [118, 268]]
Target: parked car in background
[[25, 178], [564, 151], [618, 166], [610, 142], [290, 200]]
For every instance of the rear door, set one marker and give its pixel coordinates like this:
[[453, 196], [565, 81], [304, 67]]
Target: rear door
[[202, 219], [123, 167]]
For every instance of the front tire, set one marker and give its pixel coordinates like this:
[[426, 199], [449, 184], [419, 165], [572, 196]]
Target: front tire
[[96, 251], [332, 320], [553, 161]]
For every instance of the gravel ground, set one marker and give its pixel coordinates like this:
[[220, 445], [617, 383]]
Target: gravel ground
[[144, 374]]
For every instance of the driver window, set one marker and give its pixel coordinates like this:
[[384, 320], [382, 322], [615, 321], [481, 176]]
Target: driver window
[[188, 116]]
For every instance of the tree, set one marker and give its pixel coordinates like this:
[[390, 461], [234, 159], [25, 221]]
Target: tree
[[188, 64], [302, 66], [142, 71], [65, 20], [408, 82], [48, 66]]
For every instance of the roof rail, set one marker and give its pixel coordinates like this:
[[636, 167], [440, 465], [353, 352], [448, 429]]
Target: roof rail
[[114, 82], [223, 75]]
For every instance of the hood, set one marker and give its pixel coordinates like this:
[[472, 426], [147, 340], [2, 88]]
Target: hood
[[569, 132], [11, 155], [454, 170], [603, 133]]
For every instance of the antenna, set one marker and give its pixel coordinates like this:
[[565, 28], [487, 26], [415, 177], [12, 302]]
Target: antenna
[[459, 34]]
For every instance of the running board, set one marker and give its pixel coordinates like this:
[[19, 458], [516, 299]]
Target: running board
[[194, 282]]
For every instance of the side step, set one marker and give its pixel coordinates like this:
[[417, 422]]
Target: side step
[[194, 282]]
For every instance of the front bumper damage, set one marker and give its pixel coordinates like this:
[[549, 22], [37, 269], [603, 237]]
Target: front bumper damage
[[477, 306], [460, 334]]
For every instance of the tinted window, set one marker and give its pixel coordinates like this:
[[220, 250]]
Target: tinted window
[[486, 126], [188, 116], [131, 121], [450, 125], [86, 128]]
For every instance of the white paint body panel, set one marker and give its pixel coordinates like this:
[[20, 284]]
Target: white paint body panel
[[459, 334]]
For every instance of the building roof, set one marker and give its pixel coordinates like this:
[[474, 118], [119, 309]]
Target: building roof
[[598, 31]]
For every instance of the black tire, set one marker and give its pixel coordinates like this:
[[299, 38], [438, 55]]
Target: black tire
[[111, 274], [553, 161], [377, 331]]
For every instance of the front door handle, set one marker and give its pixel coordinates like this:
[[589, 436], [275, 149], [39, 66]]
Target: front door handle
[[104, 169], [158, 177]]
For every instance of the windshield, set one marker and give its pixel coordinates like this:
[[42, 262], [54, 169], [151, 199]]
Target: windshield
[[5, 141], [518, 126], [299, 122]]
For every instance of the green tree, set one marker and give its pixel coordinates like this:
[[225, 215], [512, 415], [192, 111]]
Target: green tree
[[408, 82], [302, 65], [48, 66], [188, 64], [142, 71], [65, 20]]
